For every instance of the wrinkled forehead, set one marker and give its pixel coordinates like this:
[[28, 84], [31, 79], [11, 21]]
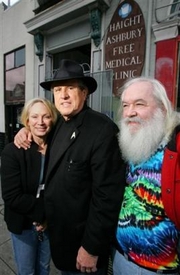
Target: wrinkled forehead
[[69, 82], [139, 90]]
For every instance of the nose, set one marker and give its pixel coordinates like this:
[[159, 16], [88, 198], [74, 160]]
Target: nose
[[131, 111], [40, 120], [64, 93]]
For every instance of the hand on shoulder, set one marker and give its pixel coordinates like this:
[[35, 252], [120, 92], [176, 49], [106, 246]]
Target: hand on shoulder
[[23, 138]]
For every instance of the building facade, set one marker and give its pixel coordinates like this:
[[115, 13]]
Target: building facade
[[112, 39]]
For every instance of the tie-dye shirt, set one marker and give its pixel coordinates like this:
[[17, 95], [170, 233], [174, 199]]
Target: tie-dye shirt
[[144, 232]]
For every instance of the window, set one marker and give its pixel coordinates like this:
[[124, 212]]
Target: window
[[175, 9], [15, 77]]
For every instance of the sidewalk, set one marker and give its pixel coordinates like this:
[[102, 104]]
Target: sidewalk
[[7, 266]]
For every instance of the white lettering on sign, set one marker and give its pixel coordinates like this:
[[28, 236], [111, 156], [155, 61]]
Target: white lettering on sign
[[128, 61], [125, 74], [125, 43], [125, 23], [124, 36]]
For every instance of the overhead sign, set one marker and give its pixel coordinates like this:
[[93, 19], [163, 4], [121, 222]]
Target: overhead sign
[[125, 43]]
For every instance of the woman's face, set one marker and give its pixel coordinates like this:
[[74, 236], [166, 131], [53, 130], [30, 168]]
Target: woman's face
[[39, 120]]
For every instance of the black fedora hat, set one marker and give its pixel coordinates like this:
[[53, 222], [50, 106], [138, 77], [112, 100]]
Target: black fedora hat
[[69, 69]]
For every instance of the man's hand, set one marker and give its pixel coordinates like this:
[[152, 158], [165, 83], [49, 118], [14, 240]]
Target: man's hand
[[86, 262], [23, 138], [40, 227]]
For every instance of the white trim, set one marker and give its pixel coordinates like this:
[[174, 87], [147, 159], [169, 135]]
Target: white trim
[[166, 30]]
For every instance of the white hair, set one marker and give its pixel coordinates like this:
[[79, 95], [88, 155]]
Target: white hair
[[172, 118], [149, 137]]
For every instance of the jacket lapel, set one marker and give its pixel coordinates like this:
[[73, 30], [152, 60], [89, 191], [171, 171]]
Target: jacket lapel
[[63, 139], [60, 144]]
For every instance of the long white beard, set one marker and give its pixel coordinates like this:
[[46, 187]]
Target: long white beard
[[138, 146]]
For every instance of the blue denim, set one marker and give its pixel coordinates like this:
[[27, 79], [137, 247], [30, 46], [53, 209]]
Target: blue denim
[[121, 266], [101, 271], [32, 256]]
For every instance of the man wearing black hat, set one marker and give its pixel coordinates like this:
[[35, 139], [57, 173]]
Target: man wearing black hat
[[84, 179]]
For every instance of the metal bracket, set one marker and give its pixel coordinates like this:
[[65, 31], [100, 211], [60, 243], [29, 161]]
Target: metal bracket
[[95, 19], [39, 43]]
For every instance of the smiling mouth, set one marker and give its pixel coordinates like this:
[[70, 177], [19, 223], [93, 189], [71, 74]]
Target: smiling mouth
[[41, 129], [65, 103], [133, 123]]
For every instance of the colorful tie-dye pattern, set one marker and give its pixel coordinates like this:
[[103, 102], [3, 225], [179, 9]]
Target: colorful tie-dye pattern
[[144, 231]]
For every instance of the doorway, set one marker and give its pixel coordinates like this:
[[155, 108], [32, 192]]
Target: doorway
[[13, 125], [81, 54]]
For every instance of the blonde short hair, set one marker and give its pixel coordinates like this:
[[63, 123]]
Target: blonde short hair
[[49, 105]]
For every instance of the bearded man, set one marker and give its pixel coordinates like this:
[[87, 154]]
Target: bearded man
[[147, 230]]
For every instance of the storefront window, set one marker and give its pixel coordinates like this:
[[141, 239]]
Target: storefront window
[[19, 57], [9, 62], [15, 77]]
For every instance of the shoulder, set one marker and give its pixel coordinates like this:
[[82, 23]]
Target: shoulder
[[10, 154], [100, 119], [10, 147]]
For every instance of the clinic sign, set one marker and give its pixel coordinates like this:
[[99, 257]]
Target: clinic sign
[[125, 43]]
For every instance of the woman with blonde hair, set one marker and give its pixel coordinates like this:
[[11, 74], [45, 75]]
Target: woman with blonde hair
[[22, 185]]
